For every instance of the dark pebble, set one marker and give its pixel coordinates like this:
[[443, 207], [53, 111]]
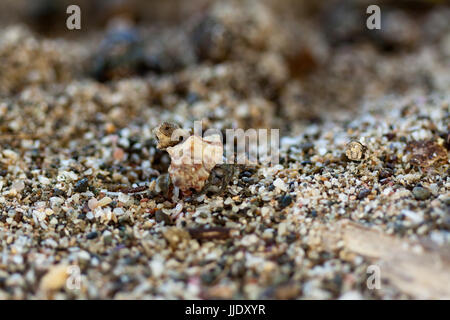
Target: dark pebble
[[390, 136], [208, 277], [385, 174], [291, 237], [284, 201], [18, 217], [248, 180], [363, 193], [58, 192], [81, 185], [390, 165], [421, 193], [162, 217], [92, 235], [247, 174], [306, 146]]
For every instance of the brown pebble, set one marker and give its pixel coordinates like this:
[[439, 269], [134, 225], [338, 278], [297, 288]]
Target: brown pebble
[[18, 217], [203, 233], [162, 217]]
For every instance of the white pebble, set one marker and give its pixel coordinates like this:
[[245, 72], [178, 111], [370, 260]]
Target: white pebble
[[104, 202], [279, 184]]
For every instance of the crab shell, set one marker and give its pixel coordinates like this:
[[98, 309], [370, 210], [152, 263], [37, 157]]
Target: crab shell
[[193, 160]]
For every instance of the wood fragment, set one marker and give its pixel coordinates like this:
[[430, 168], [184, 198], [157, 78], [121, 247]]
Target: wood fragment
[[414, 268], [212, 233]]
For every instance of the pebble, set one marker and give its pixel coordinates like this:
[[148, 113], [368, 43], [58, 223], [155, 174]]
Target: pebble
[[92, 235], [92, 203], [81, 185], [279, 184], [162, 217], [104, 201], [284, 201], [18, 186], [55, 278], [44, 180], [363, 193], [421, 193]]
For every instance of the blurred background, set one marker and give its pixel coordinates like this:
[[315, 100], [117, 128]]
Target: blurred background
[[302, 56]]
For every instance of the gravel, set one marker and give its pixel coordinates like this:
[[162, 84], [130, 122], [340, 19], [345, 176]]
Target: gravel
[[78, 159]]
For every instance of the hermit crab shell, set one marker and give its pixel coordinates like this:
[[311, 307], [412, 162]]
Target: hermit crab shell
[[193, 160]]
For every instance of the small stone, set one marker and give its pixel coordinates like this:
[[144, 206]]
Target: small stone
[[279, 184], [58, 192], [92, 235], [162, 217], [157, 268], [203, 233], [81, 185], [220, 292], [107, 238], [162, 184], [18, 217], [313, 213], [110, 128], [284, 201], [363, 193], [288, 291], [421, 193], [18, 186], [10, 154], [92, 204], [175, 236], [104, 202], [44, 180], [247, 174], [384, 174], [118, 154], [55, 278]]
